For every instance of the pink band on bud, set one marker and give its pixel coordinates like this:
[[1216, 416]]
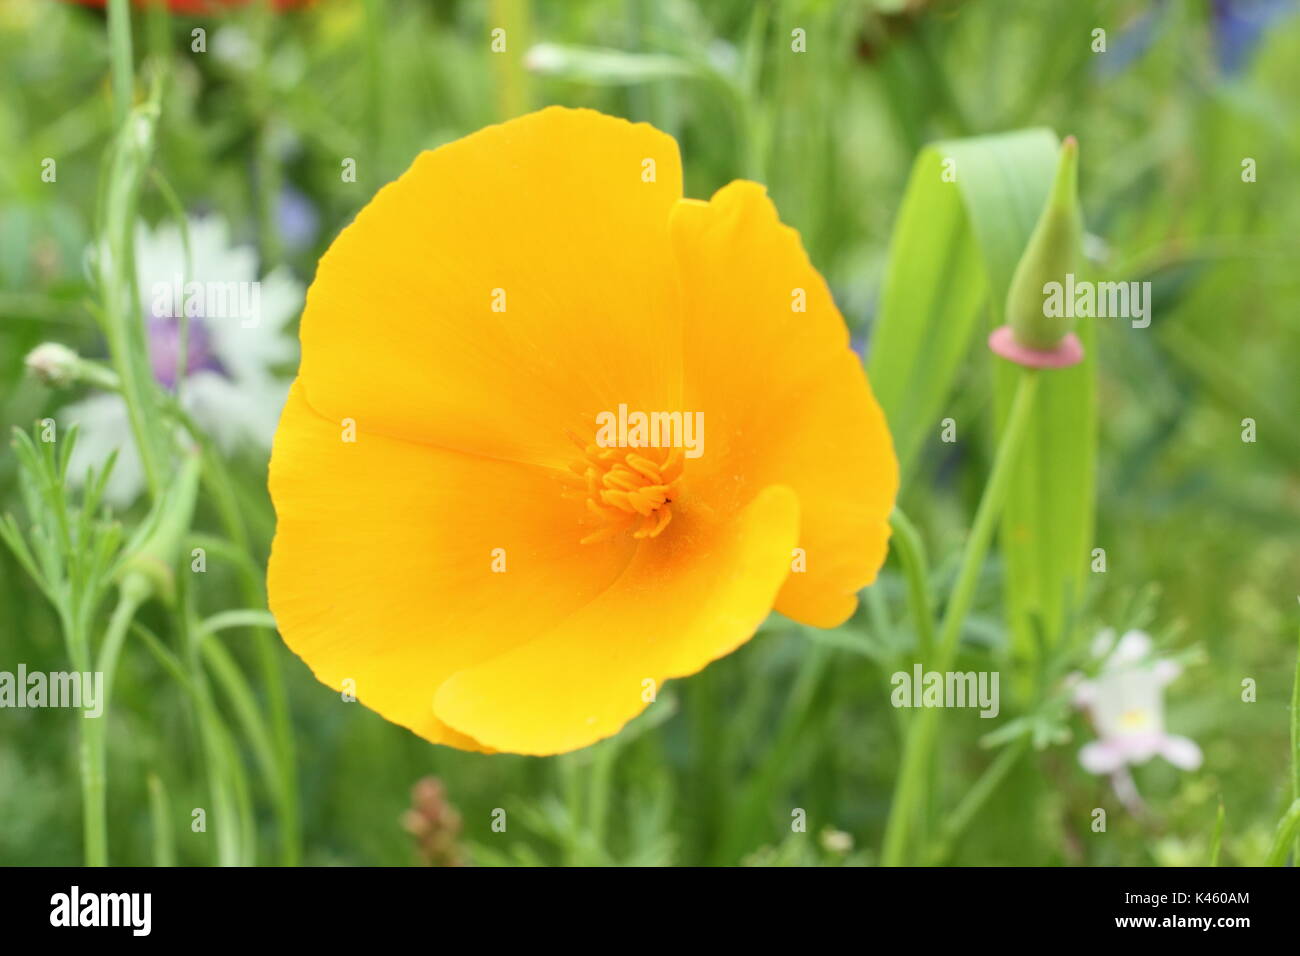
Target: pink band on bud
[[1069, 352]]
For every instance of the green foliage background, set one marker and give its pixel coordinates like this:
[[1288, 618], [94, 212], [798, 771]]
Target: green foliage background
[[1200, 528]]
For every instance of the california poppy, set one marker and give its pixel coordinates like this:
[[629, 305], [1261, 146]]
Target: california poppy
[[454, 544]]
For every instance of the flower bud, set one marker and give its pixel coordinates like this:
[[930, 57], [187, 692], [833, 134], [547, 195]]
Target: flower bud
[[1054, 250], [53, 364]]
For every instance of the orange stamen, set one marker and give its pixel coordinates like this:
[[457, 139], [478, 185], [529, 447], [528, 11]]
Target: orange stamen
[[627, 490]]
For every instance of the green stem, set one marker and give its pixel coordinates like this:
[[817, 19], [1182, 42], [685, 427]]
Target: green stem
[[262, 103], [911, 554], [164, 847], [219, 482], [513, 81], [117, 283], [1216, 839], [599, 776], [94, 758], [975, 799], [747, 817], [119, 55], [920, 741], [1295, 746], [231, 679], [223, 774], [1287, 830], [223, 620], [571, 784], [705, 709]]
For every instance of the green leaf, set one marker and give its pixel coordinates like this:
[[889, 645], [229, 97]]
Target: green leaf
[[952, 256], [605, 67], [968, 211], [1047, 524]]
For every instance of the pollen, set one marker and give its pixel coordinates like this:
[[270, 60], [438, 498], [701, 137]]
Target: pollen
[[627, 490]]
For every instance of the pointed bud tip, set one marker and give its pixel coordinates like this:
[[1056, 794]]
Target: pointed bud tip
[[1065, 185], [1050, 256]]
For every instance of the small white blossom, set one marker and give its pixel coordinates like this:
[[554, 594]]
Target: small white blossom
[[1125, 702]]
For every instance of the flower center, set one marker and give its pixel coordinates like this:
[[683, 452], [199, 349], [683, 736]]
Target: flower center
[[165, 349], [628, 489]]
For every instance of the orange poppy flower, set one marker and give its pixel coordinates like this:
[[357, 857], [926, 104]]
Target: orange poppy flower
[[454, 541]]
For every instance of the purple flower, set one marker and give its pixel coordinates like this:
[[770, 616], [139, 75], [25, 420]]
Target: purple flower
[[296, 219], [1238, 26], [165, 347], [234, 357]]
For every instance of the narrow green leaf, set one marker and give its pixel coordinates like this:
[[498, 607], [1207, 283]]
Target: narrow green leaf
[[1047, 527], [967, 213], [604, 67]]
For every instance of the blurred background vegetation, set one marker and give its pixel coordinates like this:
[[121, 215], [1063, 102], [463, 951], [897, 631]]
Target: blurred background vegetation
[[1200, 528]]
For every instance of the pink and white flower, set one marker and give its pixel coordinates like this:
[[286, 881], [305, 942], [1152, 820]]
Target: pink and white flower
[[1125, 703]]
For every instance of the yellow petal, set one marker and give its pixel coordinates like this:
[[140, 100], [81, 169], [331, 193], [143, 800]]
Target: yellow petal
[[560, 216], [381, 571], [785, 400], [688, 597]]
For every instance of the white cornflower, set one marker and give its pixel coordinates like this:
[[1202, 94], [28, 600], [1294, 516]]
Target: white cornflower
[[231, 389]]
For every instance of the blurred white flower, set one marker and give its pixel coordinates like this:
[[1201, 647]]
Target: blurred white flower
[[231, 388], [1125, 702], [836, 841]]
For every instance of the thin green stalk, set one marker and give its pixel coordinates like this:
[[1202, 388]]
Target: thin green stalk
[[164, 847], [704, 706], [262, 100], [206, 731], [94, 758], [744, 819], [224, 620], [957, 822], [1216, 839], [574, 803], [266, 647], [120, 60], [158, 33], [599, 776], [223, 774], [117, 285], [1288, 828], [231, 679], [218, 481], [921, 739], [911, 554], [1295, 746], [513, 81], [882, 623]]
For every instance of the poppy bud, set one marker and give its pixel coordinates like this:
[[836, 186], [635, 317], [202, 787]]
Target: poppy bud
[[1054, 251]]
